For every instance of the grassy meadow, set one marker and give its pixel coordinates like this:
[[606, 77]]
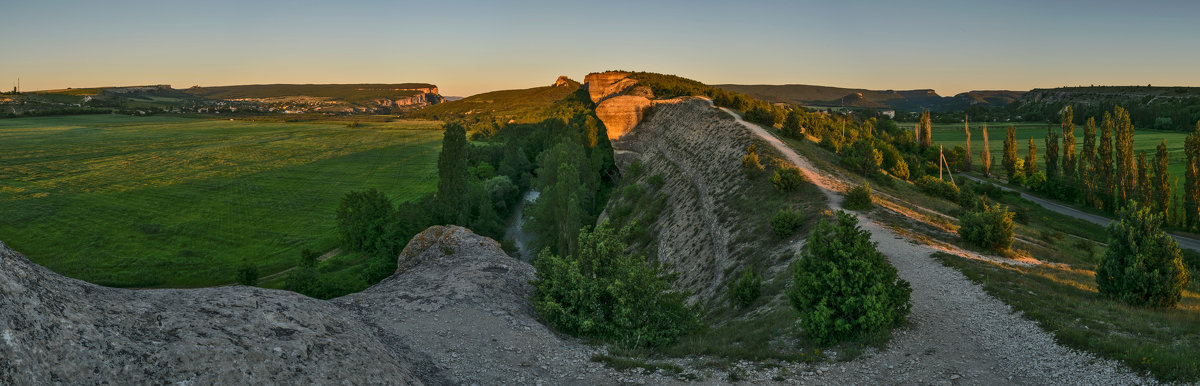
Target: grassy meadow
[[173, 202]]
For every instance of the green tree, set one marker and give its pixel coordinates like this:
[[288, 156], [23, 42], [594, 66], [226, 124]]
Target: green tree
[[602, 291], [1162, 180], [557, 215], [1087, 162], [363, 218], [985, 155], [786, 222], [452, 187], [1125, 167], [925, 130], [989, 227], [792, 126], [858, 198], [1010, 152], [1069, 159], [787, 179], [842, 285], [967, 160], [746, 288], [1145, 192], [1104, 163], [1143, 265], [862, 157], [1052, 155], [1031, 159], [1191, 193], [247, 273]]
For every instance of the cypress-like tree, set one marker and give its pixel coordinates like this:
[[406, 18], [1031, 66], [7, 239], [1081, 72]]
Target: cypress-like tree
[[1087, 162], [1162, 180], [925, 130], [1031, 160], [985, 155], [1069, 159], [1143, 265], [1191, 182], [1145, 192], [1104, 163], [1010, 152], [1052, 156], [1125, 168], [967, 129], [452, 183]]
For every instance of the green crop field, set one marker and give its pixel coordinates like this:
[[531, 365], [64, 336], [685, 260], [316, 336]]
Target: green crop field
[[173, 202], [952, 134]]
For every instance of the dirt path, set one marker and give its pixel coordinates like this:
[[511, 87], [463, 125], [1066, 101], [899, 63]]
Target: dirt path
[[324, 257], [956, 333]]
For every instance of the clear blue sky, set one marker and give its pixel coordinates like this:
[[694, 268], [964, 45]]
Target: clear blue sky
[[467, 47]]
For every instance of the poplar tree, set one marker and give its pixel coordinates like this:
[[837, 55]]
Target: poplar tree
[[1052, 156], [1162, 180], [967, 129], [1087, 162], [1104, 162], [925, 130], [1191, 194], [1145, 192], [1010, 152], [985, 155], [1031, 160], [1069, 159], [452, 175], [1125, 168]]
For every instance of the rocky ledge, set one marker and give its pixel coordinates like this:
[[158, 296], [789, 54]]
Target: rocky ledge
[[456, 311]]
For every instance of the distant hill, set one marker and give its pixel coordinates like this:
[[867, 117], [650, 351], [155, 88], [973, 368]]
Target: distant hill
[[1163, 108], [358, 94], [902, 100], [521, 106]]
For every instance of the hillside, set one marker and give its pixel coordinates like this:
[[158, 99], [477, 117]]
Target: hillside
[[515, 106], [360, 94], [902, 100], [1162, 108]]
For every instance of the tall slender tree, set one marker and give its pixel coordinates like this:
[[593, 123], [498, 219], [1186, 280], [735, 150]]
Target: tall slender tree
[[1104, 163], [1191, 193], [985, 155], [1052, 156], [1162, 180], [967, 129], [453, 178], [1145, 192], [1069, 159], [925, 130], [1031, 160], [1125, 168], [1087, 162], [1010, 152]]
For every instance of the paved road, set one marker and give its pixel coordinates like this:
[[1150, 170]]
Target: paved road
[[1184, 242]]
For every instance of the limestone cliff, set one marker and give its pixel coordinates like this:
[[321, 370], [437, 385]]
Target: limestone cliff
[[457, 312], [619, 104]]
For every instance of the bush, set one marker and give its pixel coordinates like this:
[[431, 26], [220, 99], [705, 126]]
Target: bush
[[605, 293], [247, 274], [1143, 265], [862, 157], [843, 286], [787, 179], [858, 198], [1036, 182], [746, 288], [937, 187], [787, 222], [750, 160], [989, 227]]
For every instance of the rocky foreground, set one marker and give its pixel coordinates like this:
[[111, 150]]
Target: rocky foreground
[[456, 312]]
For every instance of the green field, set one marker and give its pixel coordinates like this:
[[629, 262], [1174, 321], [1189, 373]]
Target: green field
[[952, 135], [173, 202]]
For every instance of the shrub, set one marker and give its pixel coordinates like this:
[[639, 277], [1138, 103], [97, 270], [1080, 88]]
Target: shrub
[[605, 293], [787, 179], [937, 187], [750, 160], [900, 170], [843, 286], [1036, 182], [989, 227], [787, 222], [1143, 265], [862, 157], [247, 274], [858, 198], [746, 288]]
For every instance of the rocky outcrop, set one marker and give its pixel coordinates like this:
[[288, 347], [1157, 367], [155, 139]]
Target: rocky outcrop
[[563, 81], [456, 312], [419, 100], [602, 85], [621, 114]]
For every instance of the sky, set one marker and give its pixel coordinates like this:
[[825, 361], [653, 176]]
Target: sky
[[467, 47]]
